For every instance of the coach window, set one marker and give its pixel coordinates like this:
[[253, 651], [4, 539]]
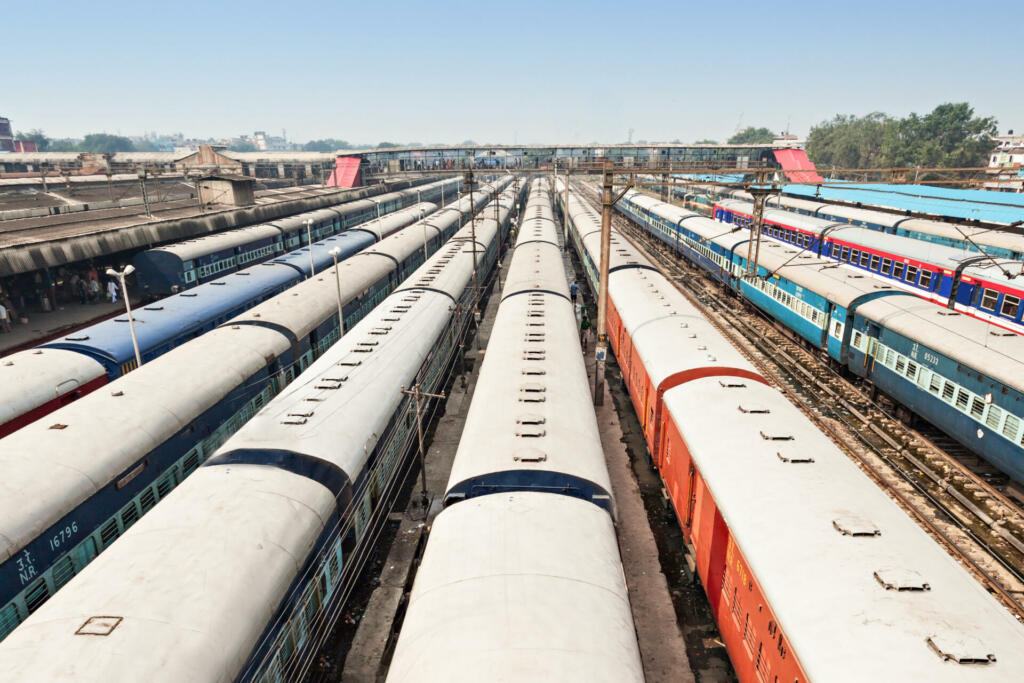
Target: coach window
[[911, 275], [1011, 305], [897, 270], [835, 251], [874, 262], [854, 256], [926, 278], [989, 298], [865, 257], [845, 254], [886, 265]]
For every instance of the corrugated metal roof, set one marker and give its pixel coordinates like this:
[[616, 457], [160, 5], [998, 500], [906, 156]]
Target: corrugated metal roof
[[982, 205]]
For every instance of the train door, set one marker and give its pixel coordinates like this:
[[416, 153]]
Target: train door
[[871, 348], [691, 497]]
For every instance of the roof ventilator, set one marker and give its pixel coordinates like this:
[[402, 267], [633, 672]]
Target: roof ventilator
[[852, 525], [794, 459], [901, 580], [753, 408], [960, 648], [530, 455], [776, 437]]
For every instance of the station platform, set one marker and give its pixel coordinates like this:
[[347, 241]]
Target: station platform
[[42, 326]]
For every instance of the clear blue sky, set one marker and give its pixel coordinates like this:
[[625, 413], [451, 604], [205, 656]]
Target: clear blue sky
[[500, 71]]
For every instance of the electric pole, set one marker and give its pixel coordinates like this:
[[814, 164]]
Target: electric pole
[[601, 349], [418, 396]]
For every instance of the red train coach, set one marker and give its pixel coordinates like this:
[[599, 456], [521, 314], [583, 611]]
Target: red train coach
[[811, 571]]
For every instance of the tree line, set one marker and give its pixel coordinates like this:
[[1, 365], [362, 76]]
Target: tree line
[[950, 136]]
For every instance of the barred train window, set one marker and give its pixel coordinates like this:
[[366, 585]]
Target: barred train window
[[911, 275], [886, 265], [926, 278], [1011, 305], [989, 298]]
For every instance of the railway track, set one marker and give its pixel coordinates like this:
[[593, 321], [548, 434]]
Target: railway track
[[968, 515]]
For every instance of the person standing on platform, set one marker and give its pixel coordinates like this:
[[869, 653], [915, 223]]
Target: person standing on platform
[[112, 290], [574, 289], [5, 323]]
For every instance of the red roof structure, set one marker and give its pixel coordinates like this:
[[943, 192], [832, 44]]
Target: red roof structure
[[796, 165], [345, 173]]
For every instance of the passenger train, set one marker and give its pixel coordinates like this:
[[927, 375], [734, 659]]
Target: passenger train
[[521, 579], [964, 280], [38, 381], [1000, 244], [812, 572], [241, 572], [168, 270], [963, 375], [73, 483]]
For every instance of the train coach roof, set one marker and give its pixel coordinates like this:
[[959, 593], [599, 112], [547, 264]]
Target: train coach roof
[[341, 405], [983, 205], [175, 315], [668, 332], [907, 247], [298, 221], [841, 284], [174, 629], [190, 249], [786, 504], [520, 586], [979, 344], [45, 473], [29, 379]]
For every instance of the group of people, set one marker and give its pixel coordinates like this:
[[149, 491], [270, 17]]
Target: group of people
[[44, 292], [86, 287]]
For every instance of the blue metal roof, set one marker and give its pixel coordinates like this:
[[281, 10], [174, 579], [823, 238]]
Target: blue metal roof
[[205, 306], [350, 242], [982, 205], [174, 316]]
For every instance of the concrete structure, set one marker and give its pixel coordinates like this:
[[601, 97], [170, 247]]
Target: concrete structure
[[230, 190], [1007, 163], [317, 166], [299, 166], [544, 156], [6, 136], [35, 243]]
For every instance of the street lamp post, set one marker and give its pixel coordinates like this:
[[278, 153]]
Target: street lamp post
[[337, 281], [309, 243], [120, 275]]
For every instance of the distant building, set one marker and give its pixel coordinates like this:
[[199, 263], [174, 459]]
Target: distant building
[[1006, 163], [6, 136], [1009, 151], [269, 143], [25, 146]]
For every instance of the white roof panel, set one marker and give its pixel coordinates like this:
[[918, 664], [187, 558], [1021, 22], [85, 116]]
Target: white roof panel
[[29, 379], [841, 621], [519, 587]]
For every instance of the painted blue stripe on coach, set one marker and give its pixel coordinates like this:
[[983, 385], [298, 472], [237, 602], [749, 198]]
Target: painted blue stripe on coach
[[530, 480]]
